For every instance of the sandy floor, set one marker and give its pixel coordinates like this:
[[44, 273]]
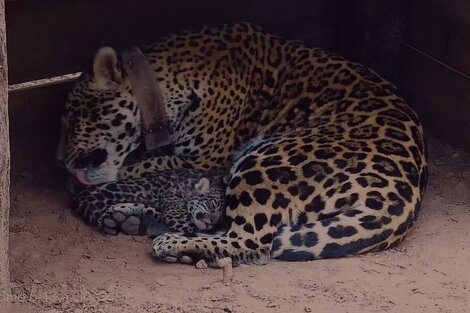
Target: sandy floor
[[58, 264]]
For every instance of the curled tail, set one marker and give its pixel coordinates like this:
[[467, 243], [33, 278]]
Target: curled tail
[[338, 236]]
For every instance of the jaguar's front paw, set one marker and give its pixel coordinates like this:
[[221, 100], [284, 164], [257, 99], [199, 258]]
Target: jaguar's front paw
[[173, 248]]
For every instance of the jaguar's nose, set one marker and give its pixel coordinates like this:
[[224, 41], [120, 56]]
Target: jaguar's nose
[[91, 159]]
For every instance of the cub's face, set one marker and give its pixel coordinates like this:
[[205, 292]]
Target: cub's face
[[101, 123], [207, 206]]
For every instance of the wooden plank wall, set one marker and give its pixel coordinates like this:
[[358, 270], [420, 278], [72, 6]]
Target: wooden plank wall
[[435, 70], [52, 37]]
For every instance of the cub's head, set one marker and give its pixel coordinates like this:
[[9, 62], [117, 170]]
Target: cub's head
[[207, 205], [101, 123]]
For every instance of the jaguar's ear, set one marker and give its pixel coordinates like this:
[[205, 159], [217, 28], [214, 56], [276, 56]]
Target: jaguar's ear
[[202, 186], [105, 69]]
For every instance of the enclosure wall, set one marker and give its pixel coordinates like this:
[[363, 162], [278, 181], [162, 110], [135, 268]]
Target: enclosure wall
[[435, 70], [4, 170]]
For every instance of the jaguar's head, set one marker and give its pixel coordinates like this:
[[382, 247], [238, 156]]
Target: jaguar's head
[[101, 123]]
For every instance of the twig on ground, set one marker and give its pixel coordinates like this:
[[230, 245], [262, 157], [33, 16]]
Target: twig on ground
[[226, 265]]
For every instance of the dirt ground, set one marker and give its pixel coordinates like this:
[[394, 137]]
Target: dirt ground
[[59, 264]]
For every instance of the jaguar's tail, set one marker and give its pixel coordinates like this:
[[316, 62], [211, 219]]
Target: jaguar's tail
[[338, 236]]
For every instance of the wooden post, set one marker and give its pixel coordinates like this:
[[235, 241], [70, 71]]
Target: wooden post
[[5, 297]]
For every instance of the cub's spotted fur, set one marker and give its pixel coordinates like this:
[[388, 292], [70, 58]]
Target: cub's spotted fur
[[333, 160], [183, 201]]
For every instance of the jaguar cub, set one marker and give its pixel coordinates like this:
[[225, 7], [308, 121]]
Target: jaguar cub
[[331, 159], [182, 201]]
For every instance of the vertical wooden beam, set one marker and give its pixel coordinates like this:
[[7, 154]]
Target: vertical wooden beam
[[5, 297]]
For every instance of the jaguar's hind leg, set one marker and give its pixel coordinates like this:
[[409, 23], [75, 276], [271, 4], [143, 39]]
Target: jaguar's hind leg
[[178, 248]]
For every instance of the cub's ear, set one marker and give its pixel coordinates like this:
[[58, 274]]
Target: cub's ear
[[105, 69], [202, 186], [226, 179]]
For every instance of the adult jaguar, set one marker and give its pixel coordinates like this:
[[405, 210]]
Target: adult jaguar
[[183, 201], [331, 160]]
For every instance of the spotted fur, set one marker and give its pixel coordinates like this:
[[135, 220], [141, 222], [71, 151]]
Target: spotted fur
[[332, 161]]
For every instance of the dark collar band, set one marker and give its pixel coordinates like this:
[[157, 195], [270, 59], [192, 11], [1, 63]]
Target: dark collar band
[[149, 98]]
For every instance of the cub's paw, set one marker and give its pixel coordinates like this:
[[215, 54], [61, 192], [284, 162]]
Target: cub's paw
[[115, 222], [128, 218]]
